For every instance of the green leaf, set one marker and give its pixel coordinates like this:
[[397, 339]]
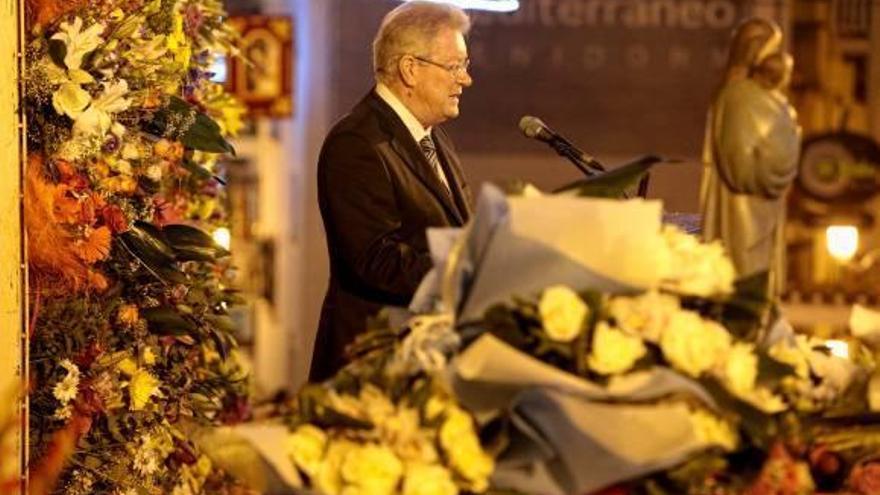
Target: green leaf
[[57, 52], [164, 320], [743, 311], [192, 244], [195, 130], [761, 428], [614, 183], [147, 241], [205, 135], [771, 370]]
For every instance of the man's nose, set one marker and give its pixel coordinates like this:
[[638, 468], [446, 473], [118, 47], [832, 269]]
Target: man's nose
[[465, 79]]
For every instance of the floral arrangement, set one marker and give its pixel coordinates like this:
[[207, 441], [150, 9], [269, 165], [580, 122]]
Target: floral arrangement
[[376, 430], [571, 382], [131, 341]]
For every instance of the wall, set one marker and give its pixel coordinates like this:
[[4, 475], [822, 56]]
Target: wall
[[11, 246]]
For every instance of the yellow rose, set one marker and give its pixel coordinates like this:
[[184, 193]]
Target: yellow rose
[[714, 430], [329, 479], [614, 351], [741, 369], [694, 345], [428, 479], [373, 468], [142, 386], [647, 314], [306, 447], [563, 313], [462, 446]]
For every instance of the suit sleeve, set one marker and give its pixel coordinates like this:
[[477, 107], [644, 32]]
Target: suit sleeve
[[362, 217]]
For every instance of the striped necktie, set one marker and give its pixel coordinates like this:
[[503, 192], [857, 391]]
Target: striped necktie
[[430, 151]]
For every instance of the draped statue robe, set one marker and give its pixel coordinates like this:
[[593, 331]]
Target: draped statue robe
[[751, 157]]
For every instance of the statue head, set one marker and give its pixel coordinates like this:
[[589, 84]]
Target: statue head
[[753, 41], [774, 71]]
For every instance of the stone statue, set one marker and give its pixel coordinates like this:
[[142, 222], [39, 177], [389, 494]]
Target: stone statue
[[751, 154]]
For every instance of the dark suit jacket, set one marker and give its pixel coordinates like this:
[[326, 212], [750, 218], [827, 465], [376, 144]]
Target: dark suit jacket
[[378, 194]]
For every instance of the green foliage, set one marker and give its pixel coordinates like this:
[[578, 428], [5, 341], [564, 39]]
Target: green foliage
[[614, 183]]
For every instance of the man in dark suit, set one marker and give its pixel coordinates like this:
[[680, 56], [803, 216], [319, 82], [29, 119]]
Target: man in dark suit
[[387, 173]]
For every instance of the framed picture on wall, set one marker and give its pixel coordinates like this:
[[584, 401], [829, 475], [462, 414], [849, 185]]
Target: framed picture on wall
[[262, 75]]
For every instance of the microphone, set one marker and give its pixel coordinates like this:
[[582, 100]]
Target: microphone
[[535, 128]]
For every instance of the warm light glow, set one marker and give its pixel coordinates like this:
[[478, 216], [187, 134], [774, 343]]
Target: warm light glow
[[842, 241], [222, 237], [839, 348], [490, 5]]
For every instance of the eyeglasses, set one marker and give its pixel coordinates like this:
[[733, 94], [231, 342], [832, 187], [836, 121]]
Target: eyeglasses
[[457, 70]]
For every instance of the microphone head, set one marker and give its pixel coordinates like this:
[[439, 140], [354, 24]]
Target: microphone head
[[532, 127]]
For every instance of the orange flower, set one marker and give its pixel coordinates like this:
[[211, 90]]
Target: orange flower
[[94, 247], [89, 207], [127, 314], [65, 208], [114, 218]]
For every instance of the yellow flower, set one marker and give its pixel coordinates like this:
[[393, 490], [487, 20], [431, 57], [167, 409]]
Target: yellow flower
[[714, 430], [148, 356], [306, 447], [563, 313], [376, 404], [614, 351], [142, 386], [177, 43], [372, 468], [329, 479], [428, 479], [646, 315], [693, 345], [741, 369], [462, 446], [127, 366]]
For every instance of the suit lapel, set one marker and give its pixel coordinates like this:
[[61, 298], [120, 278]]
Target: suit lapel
[[404, 145], [453, 172]]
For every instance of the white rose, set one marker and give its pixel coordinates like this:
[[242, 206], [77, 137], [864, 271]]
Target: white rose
[[694, 345], [70, 100], [698, 269], [741, 369], [563, 313], [428, 479], [306, 447], [373, 468], [646, 315], [614, 351]]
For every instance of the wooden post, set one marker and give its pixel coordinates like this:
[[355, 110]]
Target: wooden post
[[13, 334]]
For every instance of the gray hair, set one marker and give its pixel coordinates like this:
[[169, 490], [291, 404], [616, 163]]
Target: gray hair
[[410, 28]]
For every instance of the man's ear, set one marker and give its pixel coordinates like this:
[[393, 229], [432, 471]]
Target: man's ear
[[406, 66]]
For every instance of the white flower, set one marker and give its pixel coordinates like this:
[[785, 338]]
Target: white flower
[[614, 351], [794, 355], [71, 100], [694, 345], [372, 468], [66, 390], [714, 430], [741, 369], [646, 315], [698, 269], [306, 447], [64, 412], [79, 43], [428, 479], [145, 460], [563, 313], [765, 400], [97, 119]]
